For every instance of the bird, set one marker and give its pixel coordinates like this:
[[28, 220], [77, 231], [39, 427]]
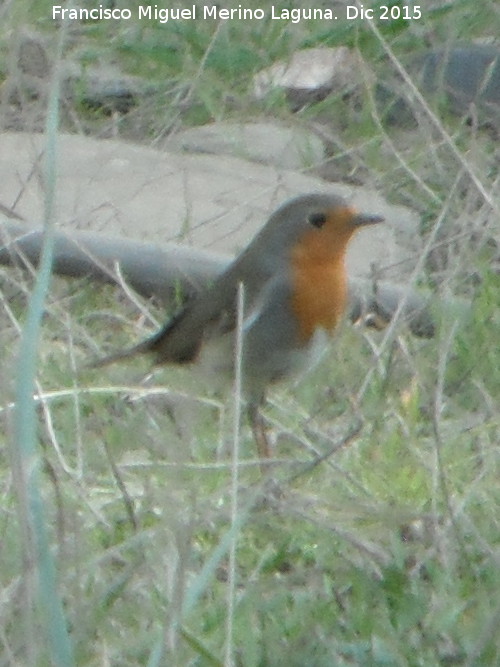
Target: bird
[[294, 284]]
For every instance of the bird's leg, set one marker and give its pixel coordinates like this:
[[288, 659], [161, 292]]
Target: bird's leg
[[259, 433]]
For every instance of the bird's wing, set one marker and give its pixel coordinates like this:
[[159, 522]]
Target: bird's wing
[[210, 312]]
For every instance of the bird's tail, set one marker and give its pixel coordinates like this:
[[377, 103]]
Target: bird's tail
[[141, 348], [164, 345]]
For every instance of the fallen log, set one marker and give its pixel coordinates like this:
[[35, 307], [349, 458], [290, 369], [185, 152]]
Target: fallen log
[[164, 271]]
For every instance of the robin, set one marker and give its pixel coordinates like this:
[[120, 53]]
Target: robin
[[295, 291]]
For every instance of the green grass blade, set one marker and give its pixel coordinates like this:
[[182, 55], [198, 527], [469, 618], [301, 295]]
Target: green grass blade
[[26, 453]]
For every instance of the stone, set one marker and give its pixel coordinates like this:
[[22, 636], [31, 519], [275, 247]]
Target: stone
[[466, 78], [213, 202], [265, 142], [310, 74]]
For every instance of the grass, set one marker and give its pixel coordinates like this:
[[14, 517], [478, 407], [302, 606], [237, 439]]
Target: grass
[[383, 553]]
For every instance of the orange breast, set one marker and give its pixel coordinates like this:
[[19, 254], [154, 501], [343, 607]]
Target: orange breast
[[319, 282]]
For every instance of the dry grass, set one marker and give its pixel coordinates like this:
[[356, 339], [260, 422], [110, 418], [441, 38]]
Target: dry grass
[[375, 539]]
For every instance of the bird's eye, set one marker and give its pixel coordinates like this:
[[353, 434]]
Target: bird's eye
[[317, 219]]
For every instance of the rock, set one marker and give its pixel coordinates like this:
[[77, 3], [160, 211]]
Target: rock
[[466, 77], [106, 87], [213, 202], [265, 142], [31, 56], [98, 86], [28, 69], [309, 75]]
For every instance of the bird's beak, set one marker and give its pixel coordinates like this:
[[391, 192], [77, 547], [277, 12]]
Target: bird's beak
[[361, 219]]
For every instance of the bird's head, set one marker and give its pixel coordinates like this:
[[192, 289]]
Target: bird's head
[[316, 225]]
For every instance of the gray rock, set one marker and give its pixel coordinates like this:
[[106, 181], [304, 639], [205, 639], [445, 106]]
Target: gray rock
[[309, 75], [99, 86], [106, 87], [467, 75], [264, 142], [467, 78], [213, 202]]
